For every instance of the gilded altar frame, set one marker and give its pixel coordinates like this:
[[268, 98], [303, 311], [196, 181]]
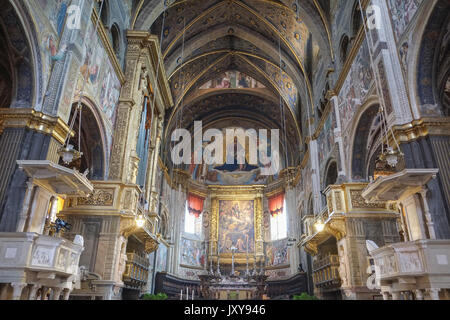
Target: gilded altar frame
[[252, 192]]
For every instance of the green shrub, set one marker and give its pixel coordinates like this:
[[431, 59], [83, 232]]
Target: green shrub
[[304, 296], [159, 296]]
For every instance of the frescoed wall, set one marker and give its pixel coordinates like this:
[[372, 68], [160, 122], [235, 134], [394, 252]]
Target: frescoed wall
[[161, 258], [326, 139], [236, 226], [356, 88], [192, 253], [277, 253], [101, 81], [278, 274], [402, 13], [229, 172], [233, 80]]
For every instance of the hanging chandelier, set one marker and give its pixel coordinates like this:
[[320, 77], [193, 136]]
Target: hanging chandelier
[[389, 158], [67, 151], [68, 154]]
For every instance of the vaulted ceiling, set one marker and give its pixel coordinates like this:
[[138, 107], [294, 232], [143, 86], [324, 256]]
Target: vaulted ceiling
[[201, 39]]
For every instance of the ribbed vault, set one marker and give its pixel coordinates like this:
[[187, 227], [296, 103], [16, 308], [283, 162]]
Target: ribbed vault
[[274, 42]]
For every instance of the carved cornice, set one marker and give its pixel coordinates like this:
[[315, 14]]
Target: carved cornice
[[34, 120], [422, 128]]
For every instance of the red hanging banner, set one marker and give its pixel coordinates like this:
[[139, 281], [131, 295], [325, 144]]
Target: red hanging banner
[[276, 204], [195, 205]]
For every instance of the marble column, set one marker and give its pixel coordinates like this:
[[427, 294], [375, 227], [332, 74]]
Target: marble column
[[4, 291], [434, 293], [44, 291], [56, 293], [66, 294], [17, 290], [26, 206], [33, 291], [428, 218], [419, 294], [396, 296]]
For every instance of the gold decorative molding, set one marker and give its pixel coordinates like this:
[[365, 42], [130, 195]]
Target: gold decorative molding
[[150, 245], [34, 120], [237, 193], [421, 128], [336, 227], [100, 197]]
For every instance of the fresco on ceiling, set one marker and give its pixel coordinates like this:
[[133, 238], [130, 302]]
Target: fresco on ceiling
[[229, 172], [192, 253], [356, 87], [325, 142], [402, 13], [277, 253], [281, 79], [282, 19], [232, 80], [268, 21], [236, 226]]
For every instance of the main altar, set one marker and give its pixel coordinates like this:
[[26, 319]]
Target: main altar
[[236, 246]]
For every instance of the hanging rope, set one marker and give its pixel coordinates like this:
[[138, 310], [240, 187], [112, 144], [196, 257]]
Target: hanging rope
[[282, 113], [377, 83], [79, 106]]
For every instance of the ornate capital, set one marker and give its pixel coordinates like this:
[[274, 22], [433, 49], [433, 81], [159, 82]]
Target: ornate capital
[[34, 120]]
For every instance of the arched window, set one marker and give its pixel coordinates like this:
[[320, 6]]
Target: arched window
[[366, 143], [344, 48], [332, 174], [356, 19], [115, 38], [278, 223], [104, 12], [192, 223], [93, 159]]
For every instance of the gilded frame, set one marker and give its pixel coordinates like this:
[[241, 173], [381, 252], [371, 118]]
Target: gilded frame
[[251, 192]]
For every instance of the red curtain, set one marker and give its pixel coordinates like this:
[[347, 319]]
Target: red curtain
[[195, 205], [276, 204]]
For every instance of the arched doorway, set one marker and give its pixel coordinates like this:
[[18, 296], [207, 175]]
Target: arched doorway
[[366, 143], [17, 85], [92, 143]]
